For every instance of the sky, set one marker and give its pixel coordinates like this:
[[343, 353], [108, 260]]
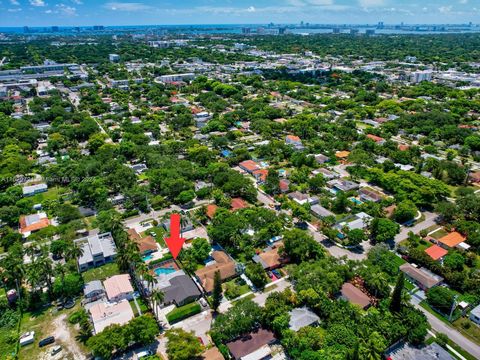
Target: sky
[[19, 13]]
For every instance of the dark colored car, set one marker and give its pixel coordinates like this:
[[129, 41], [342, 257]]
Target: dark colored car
[[47, 341]]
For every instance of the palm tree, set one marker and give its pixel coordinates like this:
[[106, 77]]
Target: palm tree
[[73, 252], [60, 270], [156, 297]]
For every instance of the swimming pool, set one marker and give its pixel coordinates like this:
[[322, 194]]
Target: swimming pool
[[164, 271], [147, 257], [356, 201]]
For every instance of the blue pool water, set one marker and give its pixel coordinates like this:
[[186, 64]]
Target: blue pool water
[[356, 201], [164, 271], [147, 257]]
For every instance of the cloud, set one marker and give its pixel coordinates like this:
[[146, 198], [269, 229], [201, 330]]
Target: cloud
[[14, 2], [251, 9], [78, 2], [14, 10], [127, 6], [445, 9], [371, 3], [66, 10], [37, 3], [463, 1], [302, 3]]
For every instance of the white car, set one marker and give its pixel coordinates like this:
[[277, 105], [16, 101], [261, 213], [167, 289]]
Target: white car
[[144, 354]]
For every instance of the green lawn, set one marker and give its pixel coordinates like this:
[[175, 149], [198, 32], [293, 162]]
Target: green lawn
[[439, 234], [101, 273], [239, 289], [468, 328], [43, 323], [183, 312], [161, 233]]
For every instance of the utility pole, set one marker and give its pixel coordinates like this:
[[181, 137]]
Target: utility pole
[[454, 303]]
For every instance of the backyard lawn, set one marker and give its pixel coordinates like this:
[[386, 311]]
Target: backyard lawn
[[101, 273], [468, 328]]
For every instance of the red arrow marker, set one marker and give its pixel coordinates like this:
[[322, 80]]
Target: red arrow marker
[[174, 242]]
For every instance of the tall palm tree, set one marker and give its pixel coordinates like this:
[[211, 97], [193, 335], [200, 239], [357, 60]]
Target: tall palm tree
[[73, 252], [60, 270], [157, 298]]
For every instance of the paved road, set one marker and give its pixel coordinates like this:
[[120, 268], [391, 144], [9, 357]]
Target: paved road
[[439, 326], [429, 221]]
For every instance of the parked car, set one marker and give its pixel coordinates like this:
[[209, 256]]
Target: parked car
[[47, 341], [27, 338], [56, 350], [144, 354], [68, 304]]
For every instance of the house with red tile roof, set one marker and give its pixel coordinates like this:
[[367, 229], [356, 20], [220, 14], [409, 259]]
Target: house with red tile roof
[[260, 175], [453, 240], [436, 252], [237, 204], [211, 210], [32, 223], [249, 166], [377, 139]]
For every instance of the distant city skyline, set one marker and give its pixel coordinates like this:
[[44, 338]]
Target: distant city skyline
[[16, 13]]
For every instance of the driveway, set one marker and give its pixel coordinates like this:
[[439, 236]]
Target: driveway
[[425, 224], [199, 324]]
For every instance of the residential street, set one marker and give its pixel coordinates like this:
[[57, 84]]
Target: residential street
[[454, 335], [429, 221]]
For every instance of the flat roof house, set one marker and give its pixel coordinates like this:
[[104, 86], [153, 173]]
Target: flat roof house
[[97, 250], [31, 190], [222, 263], [404, 351], [255, 345], [118, 287], [475, 315], [302, 198], [106, 314], [93, 290], [422, 277]]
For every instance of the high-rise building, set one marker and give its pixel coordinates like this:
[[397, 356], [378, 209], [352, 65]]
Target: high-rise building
[[419, 76], [26, 29], [114, 57]]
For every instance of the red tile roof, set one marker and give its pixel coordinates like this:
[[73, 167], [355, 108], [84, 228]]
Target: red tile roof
[[249, 165], [238, 203], [436, 252], [375, 138], [452, 239], [211, 210]]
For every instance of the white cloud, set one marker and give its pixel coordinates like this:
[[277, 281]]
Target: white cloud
[[14, 2], [302, 3], [37, 3], [127, 6], [14, 10], [66, 10], [251, 9], [78, 2], [371, 3], [463, 1], [445, 9]]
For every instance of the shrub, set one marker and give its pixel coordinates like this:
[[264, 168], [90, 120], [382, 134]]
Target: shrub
[[183, 312]]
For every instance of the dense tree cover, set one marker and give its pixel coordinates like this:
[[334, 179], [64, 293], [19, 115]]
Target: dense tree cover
[[449, 48], [299, 246], [141, 330], [182, 345]]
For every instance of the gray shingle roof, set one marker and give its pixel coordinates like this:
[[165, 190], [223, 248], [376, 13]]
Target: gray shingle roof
[[302, 317]]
